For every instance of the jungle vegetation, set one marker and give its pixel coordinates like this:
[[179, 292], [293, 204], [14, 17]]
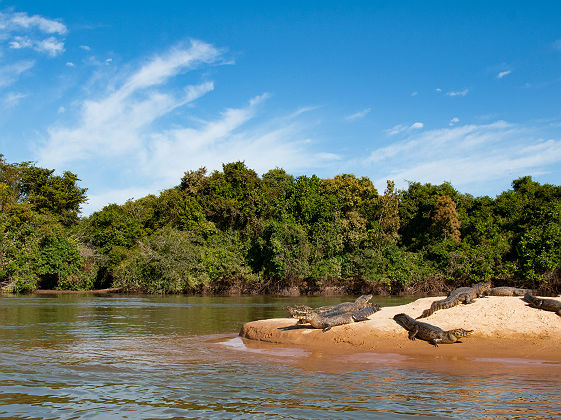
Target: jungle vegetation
[[234, 231]]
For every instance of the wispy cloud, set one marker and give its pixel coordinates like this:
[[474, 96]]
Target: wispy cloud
[[458, 92], [402, 128], [454, 121], [51, 45], [12, 99], [116, 123], [358, 115], [11, 72], [465, 155], [503, 74], [20, 31], [13, 21], [415, 93], [126, 128]]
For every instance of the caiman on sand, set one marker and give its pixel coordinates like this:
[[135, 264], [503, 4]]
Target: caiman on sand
[[298, 311], [434, 335], [337, 318], [507, 291], [545, 304], [460, 295]]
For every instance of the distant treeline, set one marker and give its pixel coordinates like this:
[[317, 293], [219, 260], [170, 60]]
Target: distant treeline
[[232, 230]]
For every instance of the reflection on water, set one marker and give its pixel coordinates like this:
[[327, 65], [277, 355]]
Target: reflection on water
[[71, 356]]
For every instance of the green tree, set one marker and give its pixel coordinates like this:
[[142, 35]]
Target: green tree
[[445, 222], [48, 193]]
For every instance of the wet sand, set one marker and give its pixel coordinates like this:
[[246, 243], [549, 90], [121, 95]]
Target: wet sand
[[504, 327]]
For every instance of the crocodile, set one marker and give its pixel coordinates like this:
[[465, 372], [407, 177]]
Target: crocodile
[[507, 291], [552, 305], [434, 335], [455, 297], [338, 318], [361, 302]]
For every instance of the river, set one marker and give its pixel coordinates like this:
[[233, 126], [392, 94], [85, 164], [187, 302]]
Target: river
[[84, 356]]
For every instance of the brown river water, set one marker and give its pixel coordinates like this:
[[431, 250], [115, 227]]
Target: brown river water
[[141, 357]]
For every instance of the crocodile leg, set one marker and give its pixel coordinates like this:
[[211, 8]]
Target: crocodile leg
[[413, 333], [435, 341], [327, 328]]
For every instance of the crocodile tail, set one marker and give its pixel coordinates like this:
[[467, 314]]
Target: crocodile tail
[[437, 305], [426, 313]]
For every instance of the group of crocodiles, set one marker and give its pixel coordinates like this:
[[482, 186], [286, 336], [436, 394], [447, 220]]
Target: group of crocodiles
[[326, 317]]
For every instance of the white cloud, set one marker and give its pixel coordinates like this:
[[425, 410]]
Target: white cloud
[[414, 93], [124, 130], [402, 128], [358, 115], [465, 155], [23, 31], [438, 90], [24, 21], [458, 92], [12, 99], [19, 42], [11, 72], [503, 74], [454, 121], [70, 64], [85, 47], [51, 45], [279, 142]]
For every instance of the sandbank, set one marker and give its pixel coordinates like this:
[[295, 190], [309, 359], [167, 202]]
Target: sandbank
[[504, 327]]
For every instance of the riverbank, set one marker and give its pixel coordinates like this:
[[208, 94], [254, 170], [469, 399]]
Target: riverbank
[[78, 292], [503, 327]]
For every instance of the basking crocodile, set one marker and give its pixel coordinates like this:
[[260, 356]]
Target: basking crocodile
[[455, 297], [299, 310], [507, 291], [338, 318], [545, 304], [434, 335]]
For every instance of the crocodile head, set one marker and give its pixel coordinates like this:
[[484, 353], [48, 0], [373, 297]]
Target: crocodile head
[[460, 332], [483, 287], [404, 320], [363, 299]]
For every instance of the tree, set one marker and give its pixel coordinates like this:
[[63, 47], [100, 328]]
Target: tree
[[385, 230], [46, 192], [445, 223]]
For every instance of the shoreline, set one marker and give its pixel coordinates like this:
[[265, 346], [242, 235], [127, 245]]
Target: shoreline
[[504, 327], [58, 292]]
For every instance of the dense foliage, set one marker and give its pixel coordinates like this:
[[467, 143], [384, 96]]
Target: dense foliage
[[232, 229]]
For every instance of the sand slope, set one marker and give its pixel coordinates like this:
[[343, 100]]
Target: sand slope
[[504, 327]]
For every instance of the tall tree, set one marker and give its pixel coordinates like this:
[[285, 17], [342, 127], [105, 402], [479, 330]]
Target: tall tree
[[445, 222]]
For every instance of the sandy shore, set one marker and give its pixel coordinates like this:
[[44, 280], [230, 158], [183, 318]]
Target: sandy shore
[[504, 327]]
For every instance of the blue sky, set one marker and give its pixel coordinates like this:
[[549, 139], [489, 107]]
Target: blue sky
[[129, 95]]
